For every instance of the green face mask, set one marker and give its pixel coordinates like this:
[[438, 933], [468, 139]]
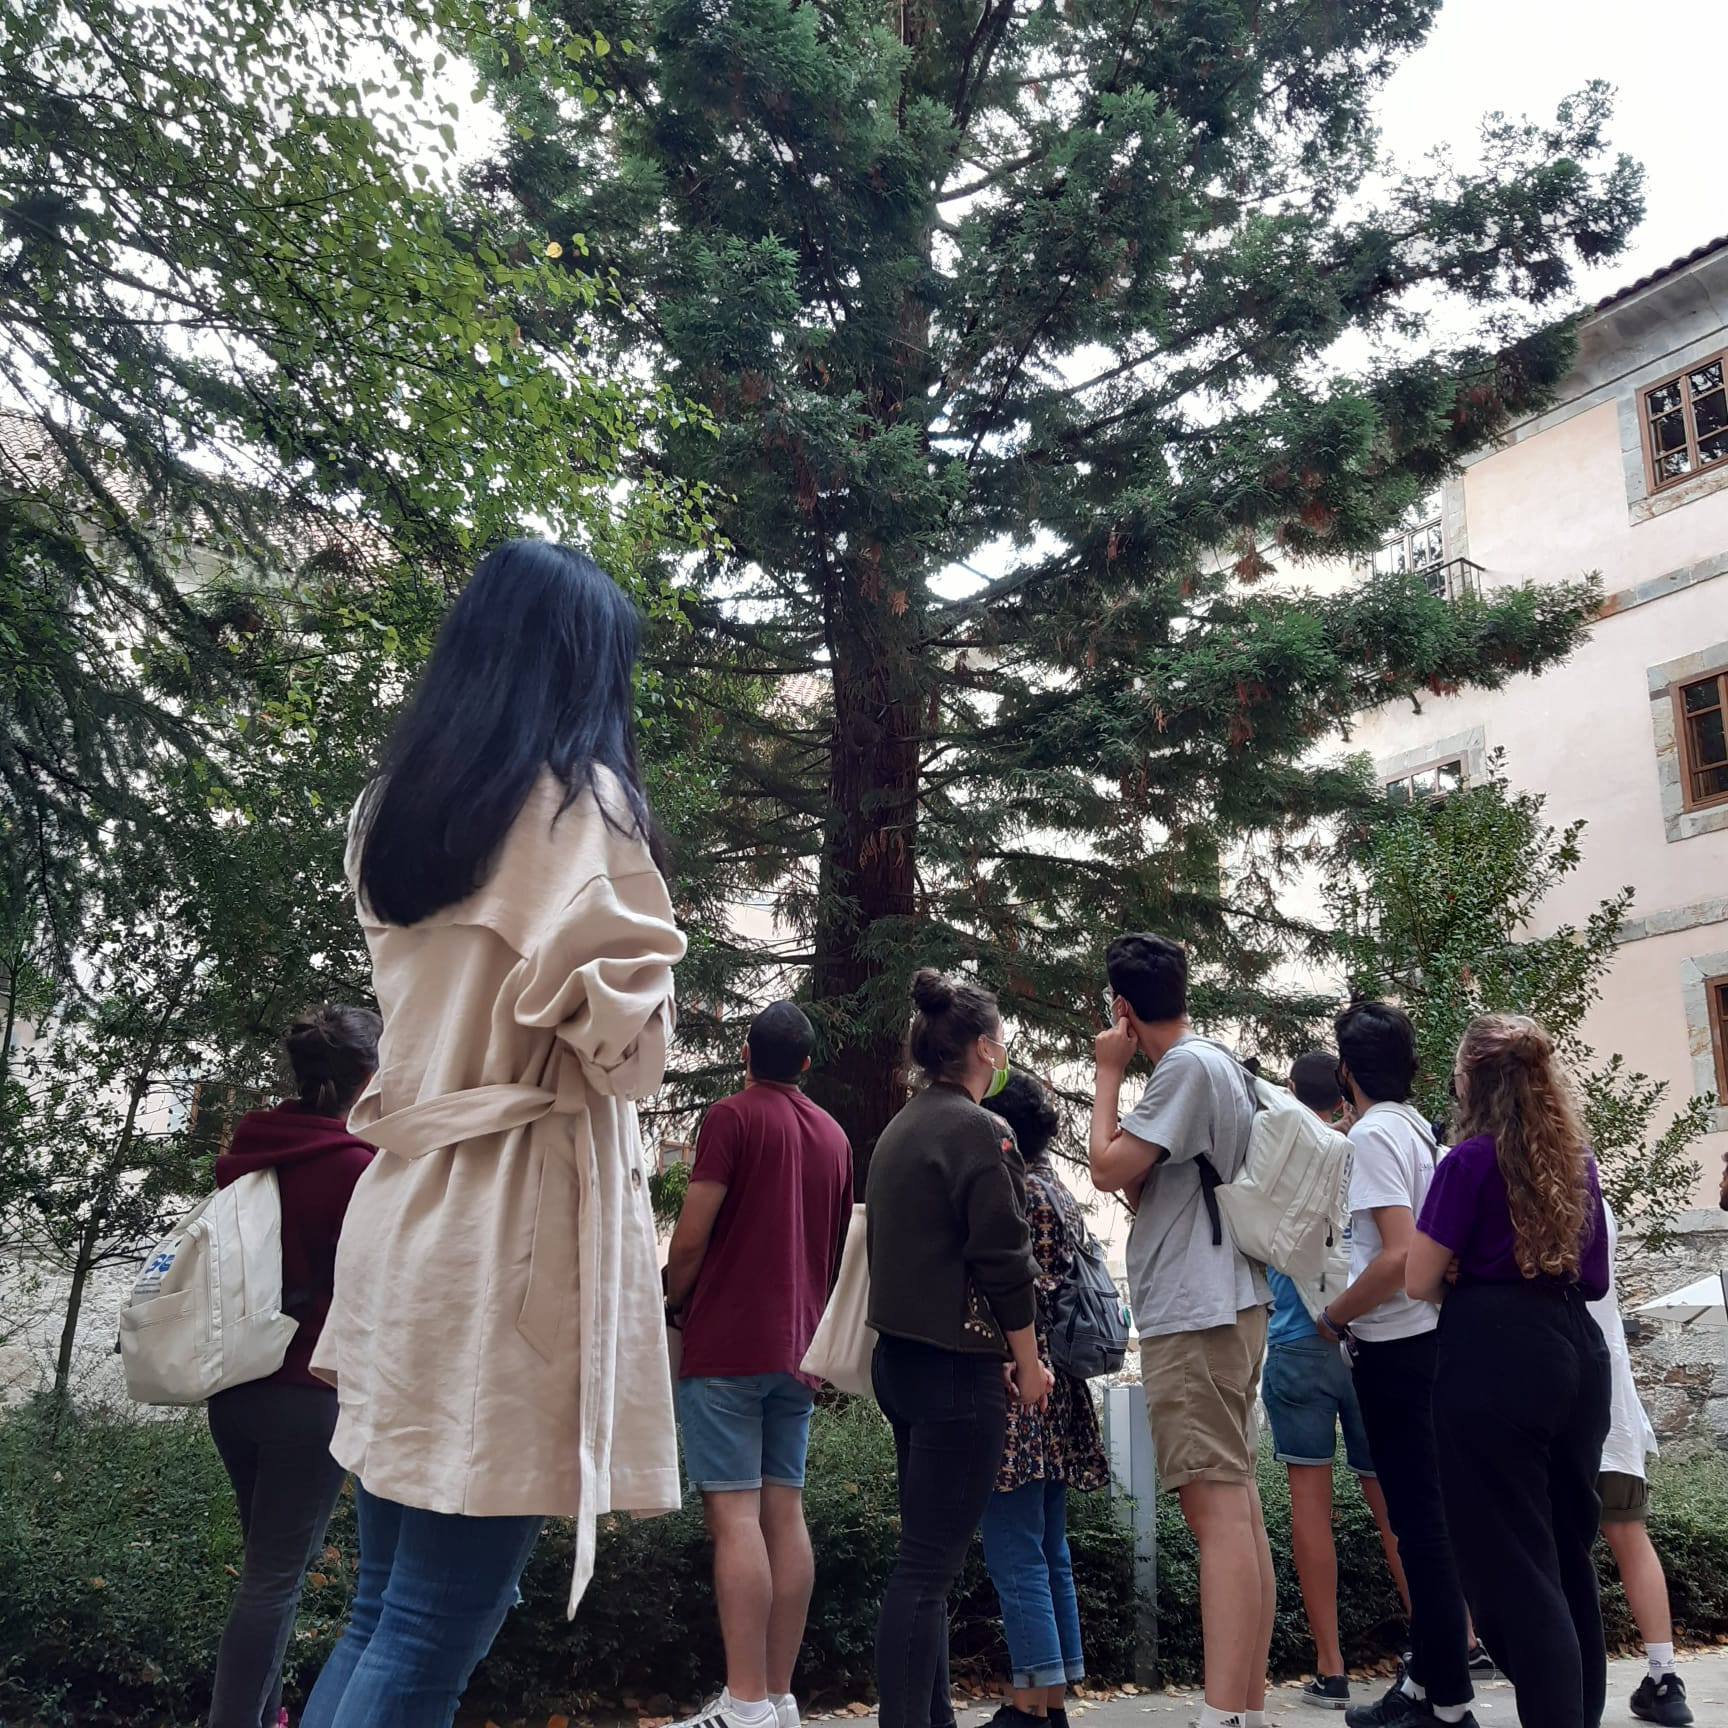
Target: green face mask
[[999, 1078]]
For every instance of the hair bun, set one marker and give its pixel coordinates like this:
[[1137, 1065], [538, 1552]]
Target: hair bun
[[1529, 1042], [932, 991]]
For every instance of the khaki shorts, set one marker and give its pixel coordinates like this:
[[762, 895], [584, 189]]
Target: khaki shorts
[[1200, 1389], [1625, 1499]]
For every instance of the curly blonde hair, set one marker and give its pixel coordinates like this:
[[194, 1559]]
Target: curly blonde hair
[[1514, 1088]]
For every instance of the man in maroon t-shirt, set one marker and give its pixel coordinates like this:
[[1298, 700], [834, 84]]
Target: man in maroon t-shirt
[[751, 1265]]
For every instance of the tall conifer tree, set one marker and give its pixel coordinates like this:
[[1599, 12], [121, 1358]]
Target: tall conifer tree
[[1116, 301]]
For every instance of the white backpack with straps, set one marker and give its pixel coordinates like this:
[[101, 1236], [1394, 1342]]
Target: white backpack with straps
[[1289, 1208], [206, 1311]]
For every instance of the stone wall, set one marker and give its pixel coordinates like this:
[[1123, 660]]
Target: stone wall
[[32, 1311], [1682, 1371]]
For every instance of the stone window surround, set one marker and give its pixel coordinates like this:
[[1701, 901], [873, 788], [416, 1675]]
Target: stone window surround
[[1643, 503], [1647, 431], [1625, 391], [1695, 974], [1471, 748], [1679, 823]]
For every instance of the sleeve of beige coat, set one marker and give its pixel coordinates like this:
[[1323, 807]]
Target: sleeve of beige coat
[[601, 976]]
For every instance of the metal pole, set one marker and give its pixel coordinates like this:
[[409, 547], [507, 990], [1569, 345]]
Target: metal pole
[[1134, 1487]]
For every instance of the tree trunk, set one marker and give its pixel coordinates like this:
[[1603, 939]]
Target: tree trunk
[[82, 1262], [867, 870], [874, 627], [13, 962]]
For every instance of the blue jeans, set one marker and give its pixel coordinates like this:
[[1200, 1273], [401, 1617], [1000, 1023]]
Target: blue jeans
[[433, 1590], [744, 1431], [1309, 1395], [1025, 1533]]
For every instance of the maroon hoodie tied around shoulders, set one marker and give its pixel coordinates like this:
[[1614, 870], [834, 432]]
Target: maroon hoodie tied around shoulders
[[317, 1162]]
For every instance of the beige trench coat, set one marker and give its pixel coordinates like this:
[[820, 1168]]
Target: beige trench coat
[[496, 1337]]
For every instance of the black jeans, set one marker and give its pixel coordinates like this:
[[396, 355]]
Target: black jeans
[[949, 1414], [275, 1442], [1521, 1404], [1394, 1382]]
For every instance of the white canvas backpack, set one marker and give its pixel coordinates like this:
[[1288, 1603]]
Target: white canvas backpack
[[1289, 1208], [206, 1311]]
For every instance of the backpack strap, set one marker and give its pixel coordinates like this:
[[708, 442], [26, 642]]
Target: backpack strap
[[1210, 1183]]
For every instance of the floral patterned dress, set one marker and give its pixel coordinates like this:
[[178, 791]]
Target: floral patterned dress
[[1061, 1443]]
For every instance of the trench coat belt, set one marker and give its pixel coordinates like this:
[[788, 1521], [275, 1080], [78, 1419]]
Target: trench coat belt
[[566, 1178], [435, 1124]]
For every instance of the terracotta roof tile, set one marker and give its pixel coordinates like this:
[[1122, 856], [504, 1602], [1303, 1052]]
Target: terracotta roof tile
[[1643, 282]]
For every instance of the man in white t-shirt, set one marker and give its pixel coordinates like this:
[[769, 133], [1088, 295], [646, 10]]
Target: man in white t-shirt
[[1392, 1341], [1199, 1303], [1625, 1493]]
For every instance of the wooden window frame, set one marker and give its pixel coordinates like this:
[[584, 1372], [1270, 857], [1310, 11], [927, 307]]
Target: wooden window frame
[[1716, 1005], [1460, 761], [1683, 738], [1653, 476]]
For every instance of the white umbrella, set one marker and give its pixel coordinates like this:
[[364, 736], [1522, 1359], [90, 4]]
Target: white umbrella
[[1702, 1304]]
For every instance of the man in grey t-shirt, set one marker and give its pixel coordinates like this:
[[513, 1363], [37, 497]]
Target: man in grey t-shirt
[[1199, 1304]]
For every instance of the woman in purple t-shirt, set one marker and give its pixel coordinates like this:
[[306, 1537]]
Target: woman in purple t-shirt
[[1521, 1385]]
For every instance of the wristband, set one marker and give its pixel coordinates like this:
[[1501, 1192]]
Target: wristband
[[1332, 1326]]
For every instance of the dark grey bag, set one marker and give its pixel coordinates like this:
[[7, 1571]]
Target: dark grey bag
[[1088, 1319]]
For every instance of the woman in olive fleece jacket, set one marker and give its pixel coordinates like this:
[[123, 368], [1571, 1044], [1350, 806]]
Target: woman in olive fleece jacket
[[951, 1297]]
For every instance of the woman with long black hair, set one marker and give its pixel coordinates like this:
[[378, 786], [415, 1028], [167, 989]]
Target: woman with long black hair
[[496, 1338], [1521, 1385]]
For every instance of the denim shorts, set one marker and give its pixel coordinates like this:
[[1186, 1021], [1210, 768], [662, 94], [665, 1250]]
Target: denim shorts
[[1308, 1396], [744, 1431]]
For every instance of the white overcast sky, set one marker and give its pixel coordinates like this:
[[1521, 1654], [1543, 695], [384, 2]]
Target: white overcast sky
[[1523, 56]]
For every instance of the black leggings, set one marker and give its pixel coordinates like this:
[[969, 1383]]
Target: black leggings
[[949, 1414], [1521, 1404], [1394, 1382], [275, 1442]]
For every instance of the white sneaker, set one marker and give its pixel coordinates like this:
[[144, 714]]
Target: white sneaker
[[786, 1712], [726, 1712]]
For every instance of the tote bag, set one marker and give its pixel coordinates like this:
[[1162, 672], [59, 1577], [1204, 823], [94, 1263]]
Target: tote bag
[[844, 1343]]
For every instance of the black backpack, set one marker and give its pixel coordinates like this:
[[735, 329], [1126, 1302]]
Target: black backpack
[[1088, 1319]]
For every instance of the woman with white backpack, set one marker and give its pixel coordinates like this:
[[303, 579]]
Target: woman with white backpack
[[273, 1434]]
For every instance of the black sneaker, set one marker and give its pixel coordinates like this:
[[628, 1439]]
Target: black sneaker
[[1395, 1710], [1327, 1692], [1662, 1701], [1480, 1661]]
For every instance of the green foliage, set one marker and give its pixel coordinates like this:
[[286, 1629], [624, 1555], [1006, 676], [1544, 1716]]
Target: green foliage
[[1434, 905], [144, 1507], [1051, 294], [666, 1191], [1688, 1524], [1370, 1616], [248, 330], [118, 1536]]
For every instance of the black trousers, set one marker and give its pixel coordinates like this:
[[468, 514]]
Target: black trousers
[[1395, 1386], [275, 1443], [1521, 1404], [949, 1414]]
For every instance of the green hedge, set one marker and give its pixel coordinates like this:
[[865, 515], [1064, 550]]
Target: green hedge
[[117, 1538]]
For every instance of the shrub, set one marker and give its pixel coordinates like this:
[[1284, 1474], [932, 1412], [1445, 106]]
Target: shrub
[[117, 1538], [118, 1535]]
